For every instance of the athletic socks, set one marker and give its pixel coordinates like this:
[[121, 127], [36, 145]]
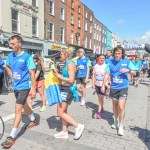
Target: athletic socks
[[32, 118], [13, 132]]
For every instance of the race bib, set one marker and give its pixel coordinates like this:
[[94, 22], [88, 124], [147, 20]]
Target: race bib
[[137, 68], [117, 80], [64, 96], [81, 67], [99, 77], [16, 76]]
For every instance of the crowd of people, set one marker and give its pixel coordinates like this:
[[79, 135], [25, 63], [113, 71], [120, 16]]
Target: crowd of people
[[110, 76]]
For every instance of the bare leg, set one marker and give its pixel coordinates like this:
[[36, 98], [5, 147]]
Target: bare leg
[[101, 102], [121, 105]]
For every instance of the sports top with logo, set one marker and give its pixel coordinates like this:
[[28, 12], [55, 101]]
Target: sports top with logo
[[99, 72], [137, 65], [82, 64], [20, 66], [145, 64], [119, 80]]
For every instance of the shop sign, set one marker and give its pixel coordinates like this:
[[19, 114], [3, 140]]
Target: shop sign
[[57, 47]]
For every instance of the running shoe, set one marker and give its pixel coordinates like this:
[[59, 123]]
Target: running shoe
[[82, 102], [43, 108], [78, 131], [61, 135], [9, 142], [99, 115], [120, 130], [115, 125], [31, 124]]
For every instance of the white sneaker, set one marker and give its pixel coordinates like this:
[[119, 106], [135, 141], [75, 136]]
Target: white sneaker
[[78, 131], [82, 102], [120, 130], [114, 125], [62, 135]]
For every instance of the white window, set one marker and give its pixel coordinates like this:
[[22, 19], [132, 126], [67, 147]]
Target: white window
[[78, 40], [103, 31], [15, 21], [34, 26], [79, 22], [62, 14], [72, 37], [97, 28], [72, 18], [72, 4], [90, 44], [99, 37], [51, 7], [91, 29], [86, 14], [34, 2], [94, 35], [91, 18], [62, 35], [86, 26], [51, 31], [102, 39], [79, 9], [100, 29], [85, 42]]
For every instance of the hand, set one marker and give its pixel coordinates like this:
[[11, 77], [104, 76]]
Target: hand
[[124, 70], [108, 89], [103, 89], [32, 93], [93, 86], [86, 80], [55, 73]]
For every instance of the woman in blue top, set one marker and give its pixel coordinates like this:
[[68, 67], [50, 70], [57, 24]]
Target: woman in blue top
[[67, 80]]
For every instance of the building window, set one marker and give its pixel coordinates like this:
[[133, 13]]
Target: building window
[[94, 35], [15, 20], [100, 29], [86, 26], [62, 14], [97, 37], [51, 7], [97, 28], [86, 14], [91, 18], [90, 44], [72, 37], [79, 9], [51, 31], [85, 43], [34, 2], [72, 18], [91, 29], [79, 22], [78, 40], [72, 4], [34, 26], [62, 34]]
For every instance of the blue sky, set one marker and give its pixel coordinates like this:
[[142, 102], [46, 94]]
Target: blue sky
[[129, 19]]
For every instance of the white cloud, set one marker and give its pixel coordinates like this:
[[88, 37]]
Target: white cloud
[[143, 39], [121, 22]]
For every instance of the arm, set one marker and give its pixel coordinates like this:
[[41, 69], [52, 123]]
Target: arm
[[37, 74], [9, 72], [1, 62], [93, 79]]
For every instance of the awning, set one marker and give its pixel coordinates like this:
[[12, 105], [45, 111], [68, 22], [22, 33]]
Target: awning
[[5, 49]]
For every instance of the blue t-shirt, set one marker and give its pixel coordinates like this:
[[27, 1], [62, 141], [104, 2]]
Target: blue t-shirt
[[1, 65], [137, 65], [145, 63], [20, 66], [108, 59], [119, 80], [82, 64]]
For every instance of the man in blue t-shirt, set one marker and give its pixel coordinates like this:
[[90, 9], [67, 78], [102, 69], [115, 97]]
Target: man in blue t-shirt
[[83, 64], [20, 66], [118, 69], [109, 56], [138, 65], [144, 68]]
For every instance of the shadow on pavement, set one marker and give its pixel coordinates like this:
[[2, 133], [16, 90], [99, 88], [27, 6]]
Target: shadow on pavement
[[108, 116], [2, 103], [25, 119], [143, 135], [37, 103]]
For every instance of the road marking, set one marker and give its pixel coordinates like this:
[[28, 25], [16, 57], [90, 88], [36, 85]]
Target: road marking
[[12, 116]]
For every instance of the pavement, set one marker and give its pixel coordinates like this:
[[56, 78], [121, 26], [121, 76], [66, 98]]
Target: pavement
[[97, 135]]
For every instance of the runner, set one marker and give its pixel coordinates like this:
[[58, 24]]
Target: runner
[[1, 74], [39, 76], [20, 67], [83, 65], [138, 66], [109, 56], [118, 69], [97, 80], [144, 68], [67, 78]]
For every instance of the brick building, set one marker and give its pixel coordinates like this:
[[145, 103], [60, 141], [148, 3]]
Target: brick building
[[74, 23], [97, 36], [88, 28]]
